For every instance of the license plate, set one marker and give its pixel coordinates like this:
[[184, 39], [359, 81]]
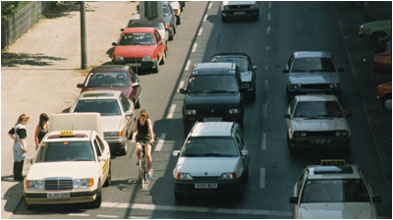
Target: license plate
[[212, 119], [239, 13], [57, 195], [134, 64], [206, 186], [320, 141]]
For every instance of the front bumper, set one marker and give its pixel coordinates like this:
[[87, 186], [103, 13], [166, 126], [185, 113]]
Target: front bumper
[[75, 197], [223, 187], [240, 13]]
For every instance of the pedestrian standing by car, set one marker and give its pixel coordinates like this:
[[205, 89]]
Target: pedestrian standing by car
[[143, 136], [18, 134], [41, 129]]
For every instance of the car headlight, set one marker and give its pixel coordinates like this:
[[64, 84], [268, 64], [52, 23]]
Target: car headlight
[[333, 85], [296, 86], [253, 6], [119, 58], [226, 7], [233, 111], [113, 134], [183, 176], [190, 112], [246, 85], [337, 133], [303, 134], [82, 183], [228, 176], [35, 184], [344, 133], [146, 58]]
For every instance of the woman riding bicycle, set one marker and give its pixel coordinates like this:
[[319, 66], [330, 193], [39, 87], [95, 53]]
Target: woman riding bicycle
[[143, 136]]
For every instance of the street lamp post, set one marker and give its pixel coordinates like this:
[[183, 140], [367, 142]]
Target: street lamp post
[[83, 36]]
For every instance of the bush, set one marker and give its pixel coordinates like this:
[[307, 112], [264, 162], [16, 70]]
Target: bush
[[9, 8]]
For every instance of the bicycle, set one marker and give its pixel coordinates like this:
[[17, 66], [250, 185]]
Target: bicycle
[[142, 168]]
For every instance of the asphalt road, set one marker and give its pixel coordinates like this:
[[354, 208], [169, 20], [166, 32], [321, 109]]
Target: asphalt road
[[283, 27]]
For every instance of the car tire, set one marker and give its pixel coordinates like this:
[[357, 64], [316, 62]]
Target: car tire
[[223, 19], [97, 203], [138, 103], [178, 20], [375, 37], [124, 150], [387, 103], [108, 180]]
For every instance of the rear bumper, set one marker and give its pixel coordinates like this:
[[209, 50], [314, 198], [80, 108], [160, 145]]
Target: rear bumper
[[320, 142]]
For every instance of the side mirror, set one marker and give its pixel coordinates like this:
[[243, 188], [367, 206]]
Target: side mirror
[[254, 67], [377, 199], [293, 199], [136, 84], [79, 85], [129, 113], [176, 153], [183, 91], [287, 116], [244, 152], [122, 29], [114, 44], [285, 71], [341, 70]]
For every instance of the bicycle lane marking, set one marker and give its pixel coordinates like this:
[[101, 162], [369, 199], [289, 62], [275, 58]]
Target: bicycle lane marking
[[160, 142]]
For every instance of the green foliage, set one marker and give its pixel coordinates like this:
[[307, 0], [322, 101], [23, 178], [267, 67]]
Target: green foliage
[[9, 8]]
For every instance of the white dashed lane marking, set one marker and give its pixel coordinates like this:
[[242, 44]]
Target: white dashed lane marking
[[160, 142], [200, 31], [188, 64], [264, 141], [194, 47], [262, 178], [171, 111]]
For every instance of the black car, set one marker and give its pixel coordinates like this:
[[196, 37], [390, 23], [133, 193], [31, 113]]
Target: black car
[[213, 93], [247, 70]]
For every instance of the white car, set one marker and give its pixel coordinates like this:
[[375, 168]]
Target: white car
[[333, 190], [72, 163], [317, 121], [213, 159], [239, 9], [177, 8], [117, 115]]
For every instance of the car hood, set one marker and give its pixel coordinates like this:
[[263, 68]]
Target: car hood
[[314, 78], [124, 89], [206, 101], [207, 166], [330, 124], [134, 51], [239, 2], [246, 76], [353, 210], [86, 169], [112, 123]]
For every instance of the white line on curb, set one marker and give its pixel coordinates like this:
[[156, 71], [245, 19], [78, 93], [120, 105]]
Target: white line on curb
[[205, 18], [108, 216], [160, 142], [264, 141], [194, 47], [78, 214], [262, 178], [181, 84], [210, 6], [171, 111], [187, 65], [200, 31]]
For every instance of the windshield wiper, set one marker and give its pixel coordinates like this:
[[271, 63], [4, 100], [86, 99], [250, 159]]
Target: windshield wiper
[[221, 91], [214, 155]]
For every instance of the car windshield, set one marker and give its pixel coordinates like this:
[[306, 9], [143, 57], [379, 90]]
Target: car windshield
[[213, 84], [157, 25], [313, 65], [318, 109], [137, 39], [106, 107], [165, 10], [210, 147], [108, 79], [65, 151], [241, 62], [333, 190]]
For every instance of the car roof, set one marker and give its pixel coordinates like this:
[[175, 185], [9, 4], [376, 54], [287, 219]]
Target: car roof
[[78, 135], [212, 129], [231, 55], [334, 172], [310, 54], [316, 97], [214, 68], [239, 2], [102, 94], [110, 68], [139, 30]]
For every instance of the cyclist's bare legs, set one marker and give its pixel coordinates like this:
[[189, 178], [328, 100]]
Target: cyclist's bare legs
[[138, 150], [148, 157]]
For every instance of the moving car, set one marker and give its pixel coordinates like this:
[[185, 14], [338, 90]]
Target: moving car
[[239, 9], [114, 77], [213, 94], [72, 163], [312, 72], [214, 159], [384, 93], [247, 70], [142, 48], [375, 30], [177, 8], [117, 115], [333, 190], [317, 121], [169, 18]]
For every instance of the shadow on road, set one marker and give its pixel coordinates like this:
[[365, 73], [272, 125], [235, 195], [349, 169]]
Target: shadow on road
[[64, 9], [15, 59]]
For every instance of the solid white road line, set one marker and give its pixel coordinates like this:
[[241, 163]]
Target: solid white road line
[[264, 141], [194, 47], [160, 142], [262, 178], [210, 6], [153, 207], [200, 31], [188, 64], [78, 214], [171, 111], [108, 216]]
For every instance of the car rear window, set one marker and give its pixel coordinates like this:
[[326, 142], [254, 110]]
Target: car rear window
[[65, 151], [108, 79]]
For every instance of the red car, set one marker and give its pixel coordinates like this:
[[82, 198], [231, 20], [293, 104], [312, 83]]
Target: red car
[[140, 47], [384, 93], [114, 77]]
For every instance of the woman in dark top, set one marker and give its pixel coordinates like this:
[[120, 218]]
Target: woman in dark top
[[41, 129], [18, 134], [143, 136]]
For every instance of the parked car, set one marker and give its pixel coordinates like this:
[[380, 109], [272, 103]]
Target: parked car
[[312, 72], [213, 160], [177, 9], [239, 9], [117, 115], [333, 190], [375, 30], [160, 25], [169, 18], [383, 62], [384, 93], [72, 163], [142, 48], [213, 94], [114, 77], [317, 122], [247, 70]]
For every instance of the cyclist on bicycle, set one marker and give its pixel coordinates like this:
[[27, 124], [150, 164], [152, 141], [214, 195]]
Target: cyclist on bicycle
[[143, 135]]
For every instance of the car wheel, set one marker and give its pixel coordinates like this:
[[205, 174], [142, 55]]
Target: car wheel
[[163, 59], [375, 37], [387, 103], [178, 20], [223, 19], [97, 203], [108, 181], [124, 150]]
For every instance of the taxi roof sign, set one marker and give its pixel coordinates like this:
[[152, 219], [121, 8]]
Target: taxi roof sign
[[332, 162], [66, 133]]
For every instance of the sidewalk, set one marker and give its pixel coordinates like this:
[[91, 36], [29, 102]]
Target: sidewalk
[[39, 73]]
